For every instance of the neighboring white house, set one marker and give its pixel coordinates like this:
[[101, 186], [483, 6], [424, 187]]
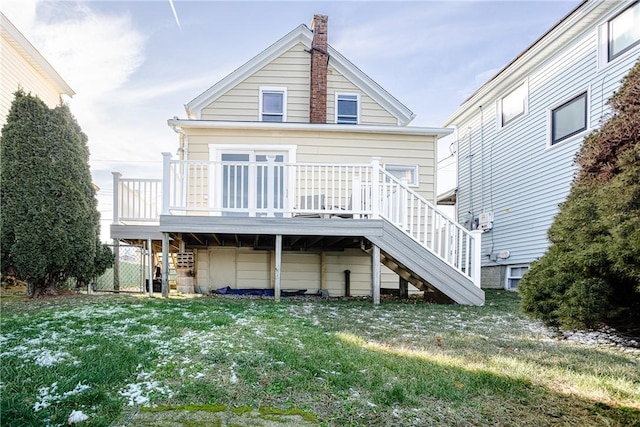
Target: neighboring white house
[[518, 134], [22, 66], [293, 169]]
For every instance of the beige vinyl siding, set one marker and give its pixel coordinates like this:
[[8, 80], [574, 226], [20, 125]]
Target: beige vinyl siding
[[16, 73], [327, 147], [290, 70], [371, 113], [253, 269]]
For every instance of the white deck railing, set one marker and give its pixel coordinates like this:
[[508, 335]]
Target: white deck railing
[[274, 188]]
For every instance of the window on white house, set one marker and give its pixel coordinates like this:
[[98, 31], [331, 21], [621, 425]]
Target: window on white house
[[347, 109], [273, 104], [624, 31], [514, 104], [569, 119], [514, 275], [410, 173]]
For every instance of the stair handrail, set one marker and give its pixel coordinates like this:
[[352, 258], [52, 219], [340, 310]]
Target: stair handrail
[[426, 224]]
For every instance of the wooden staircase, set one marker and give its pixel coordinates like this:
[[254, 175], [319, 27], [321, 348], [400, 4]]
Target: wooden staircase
[[423, 268]]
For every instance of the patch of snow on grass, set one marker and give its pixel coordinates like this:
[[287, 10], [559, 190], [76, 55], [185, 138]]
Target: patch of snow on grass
[[46, 358], [77, 417], [49, 395], [140, 393]]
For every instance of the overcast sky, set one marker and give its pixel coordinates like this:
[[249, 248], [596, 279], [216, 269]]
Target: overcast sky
[[133, 65]]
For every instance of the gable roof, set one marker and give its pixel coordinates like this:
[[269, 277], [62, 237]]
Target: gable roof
[[301, 34], [19, 42]]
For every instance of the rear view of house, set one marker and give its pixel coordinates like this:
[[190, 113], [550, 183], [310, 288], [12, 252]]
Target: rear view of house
[[299, 172], [518, 134]]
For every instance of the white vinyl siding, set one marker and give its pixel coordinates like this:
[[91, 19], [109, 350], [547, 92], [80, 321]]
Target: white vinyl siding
[[511, 171]]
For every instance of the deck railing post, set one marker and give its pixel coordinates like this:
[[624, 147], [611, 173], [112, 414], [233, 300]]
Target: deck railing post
[[116, 197], [356, 196], [166, 182], [375, 187], [271, 171], [476, 257]]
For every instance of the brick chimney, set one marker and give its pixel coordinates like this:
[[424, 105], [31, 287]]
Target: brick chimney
[[319, 65]]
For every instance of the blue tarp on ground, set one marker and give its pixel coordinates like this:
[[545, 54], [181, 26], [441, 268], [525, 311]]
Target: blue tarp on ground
[[264, 292]]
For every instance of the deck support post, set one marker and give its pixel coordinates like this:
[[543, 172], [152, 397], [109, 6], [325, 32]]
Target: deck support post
[[116, 265], [165, 265], [476, 257], [375, 273], [150, 268], [277, 269], [323, 270]]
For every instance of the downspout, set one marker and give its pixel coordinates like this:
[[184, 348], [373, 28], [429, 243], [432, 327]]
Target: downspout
[[184, 140], [481, 159]]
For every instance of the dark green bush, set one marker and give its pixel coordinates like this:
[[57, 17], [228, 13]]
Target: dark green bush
[[591, 272]]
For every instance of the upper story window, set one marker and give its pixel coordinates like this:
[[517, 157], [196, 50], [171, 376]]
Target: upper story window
[[273, 104], [514, 104], [569, 119], [623, 31], [347, 108]]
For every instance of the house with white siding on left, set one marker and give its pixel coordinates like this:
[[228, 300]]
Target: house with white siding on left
[[298, 172], [23, 67]]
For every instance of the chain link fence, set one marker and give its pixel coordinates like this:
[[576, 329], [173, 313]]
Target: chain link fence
[[129, 273]]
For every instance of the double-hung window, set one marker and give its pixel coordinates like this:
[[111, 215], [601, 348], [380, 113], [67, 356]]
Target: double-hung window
[[273, 104], [347, 108], [623, 31], [569, 119], [513, 105]]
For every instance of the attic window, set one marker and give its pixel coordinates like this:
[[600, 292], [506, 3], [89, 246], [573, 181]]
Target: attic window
[[273, 104], [347, 107], [624, 31]]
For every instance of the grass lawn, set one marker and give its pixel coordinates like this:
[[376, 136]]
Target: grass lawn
[[130, 360]]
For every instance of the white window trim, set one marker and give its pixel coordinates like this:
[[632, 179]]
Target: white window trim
[[416, 172], [603, 39], [512, 89], [273, 89], [508, 275], [566, 99], [358, 100]]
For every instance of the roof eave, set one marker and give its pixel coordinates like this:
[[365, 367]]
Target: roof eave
[[39, 61], [218, 124]]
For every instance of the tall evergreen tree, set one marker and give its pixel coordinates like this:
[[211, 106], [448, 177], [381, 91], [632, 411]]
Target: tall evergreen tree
[[49, 220], [591, 272]]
